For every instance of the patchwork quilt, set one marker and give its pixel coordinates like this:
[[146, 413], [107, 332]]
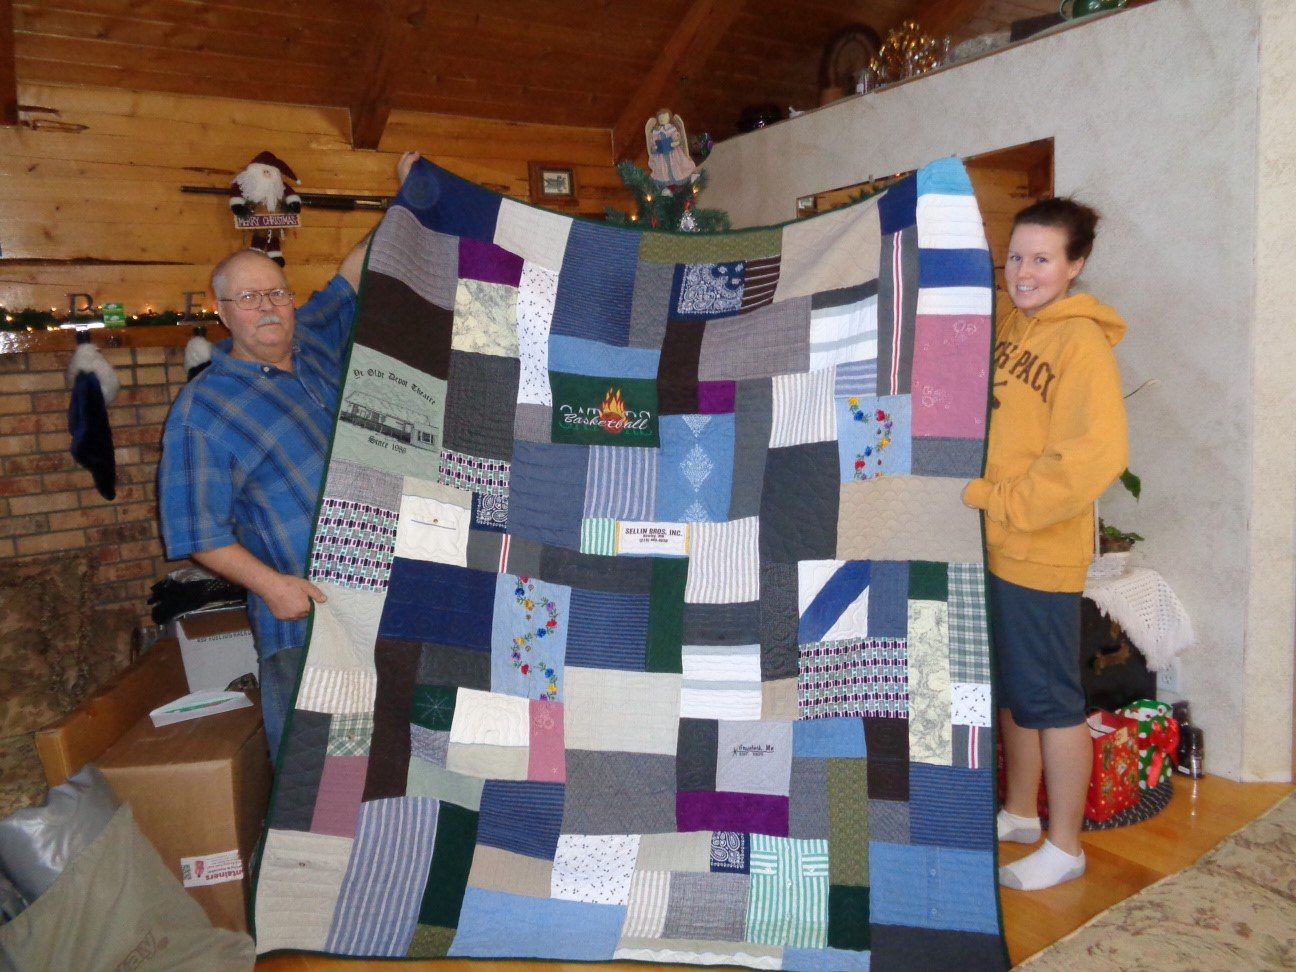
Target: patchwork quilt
[[655, 624]]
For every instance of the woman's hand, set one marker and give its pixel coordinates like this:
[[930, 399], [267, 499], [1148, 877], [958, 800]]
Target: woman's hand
[[975, 493]]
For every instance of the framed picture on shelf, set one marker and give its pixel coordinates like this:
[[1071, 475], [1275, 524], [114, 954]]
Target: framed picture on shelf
[[552, 182]]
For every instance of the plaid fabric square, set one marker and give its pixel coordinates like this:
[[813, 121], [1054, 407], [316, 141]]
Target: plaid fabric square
[[354, 544], [969, 635], [349, 734], [855, 678]]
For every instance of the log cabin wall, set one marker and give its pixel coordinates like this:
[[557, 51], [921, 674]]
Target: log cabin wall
[[90, 201], [98, 184]]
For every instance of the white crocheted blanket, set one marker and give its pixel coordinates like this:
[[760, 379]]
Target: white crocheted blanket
[[1148, 611]]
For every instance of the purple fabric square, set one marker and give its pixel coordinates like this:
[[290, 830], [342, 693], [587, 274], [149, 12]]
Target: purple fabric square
[[341, 786], [488, 262], [716, 397], [750, 813]]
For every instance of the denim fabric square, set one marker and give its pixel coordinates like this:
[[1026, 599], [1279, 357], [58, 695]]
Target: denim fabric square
[[547, 493], [889, 599], [596, 287], [529, 636], [696, 468], [427, 601]]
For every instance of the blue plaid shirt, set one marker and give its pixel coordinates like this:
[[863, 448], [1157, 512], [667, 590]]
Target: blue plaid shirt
[[244, 450]]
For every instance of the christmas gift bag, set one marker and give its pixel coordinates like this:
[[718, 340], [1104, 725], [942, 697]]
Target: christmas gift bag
[[1114, 784], [1157, 737]]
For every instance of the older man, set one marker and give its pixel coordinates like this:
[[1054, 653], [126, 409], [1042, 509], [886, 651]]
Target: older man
[[244, 451]]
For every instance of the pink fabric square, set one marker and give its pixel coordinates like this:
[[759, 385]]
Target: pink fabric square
[[340, 788], [951, 375], [548, 757]]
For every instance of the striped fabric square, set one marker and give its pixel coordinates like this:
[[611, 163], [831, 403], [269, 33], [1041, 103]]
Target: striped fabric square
[[521, 816], [950, 807], [646, 908], [804, 410], [762, 279], [725, 564], [336, 691], [969, 635], [608, 630], [621, 483], [843, 326], [377, 909], [721, 682], [789, 892], [598, 537], [596, 287]]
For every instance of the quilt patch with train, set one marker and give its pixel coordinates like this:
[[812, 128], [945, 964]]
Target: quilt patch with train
[[655, 624]]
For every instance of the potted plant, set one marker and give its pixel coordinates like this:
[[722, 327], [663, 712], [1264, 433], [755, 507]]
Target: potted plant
[[1115, 544]]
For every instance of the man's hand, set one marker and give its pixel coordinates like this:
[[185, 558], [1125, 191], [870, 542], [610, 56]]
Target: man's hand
[[404, 165], [289, 598]]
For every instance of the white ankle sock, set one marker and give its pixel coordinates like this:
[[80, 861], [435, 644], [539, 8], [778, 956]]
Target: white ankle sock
[[1046, 867], [1019, 830]]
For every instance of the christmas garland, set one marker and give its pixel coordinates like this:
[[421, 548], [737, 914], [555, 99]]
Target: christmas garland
[[35, 319]]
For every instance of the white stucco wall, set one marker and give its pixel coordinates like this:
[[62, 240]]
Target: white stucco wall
[[1156, 119]]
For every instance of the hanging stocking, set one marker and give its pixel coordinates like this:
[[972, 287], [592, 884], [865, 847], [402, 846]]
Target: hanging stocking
[[94, 385]]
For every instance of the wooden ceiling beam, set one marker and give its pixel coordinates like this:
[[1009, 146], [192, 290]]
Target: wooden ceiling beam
[[941, 17], [698, 33], [8, 66], [387, 48]]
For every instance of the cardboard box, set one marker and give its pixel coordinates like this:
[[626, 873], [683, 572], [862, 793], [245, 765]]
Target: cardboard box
[[84, 734], [199, 789], [216, 647]]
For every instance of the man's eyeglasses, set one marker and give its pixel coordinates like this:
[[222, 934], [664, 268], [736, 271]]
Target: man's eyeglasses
[[251, 299]]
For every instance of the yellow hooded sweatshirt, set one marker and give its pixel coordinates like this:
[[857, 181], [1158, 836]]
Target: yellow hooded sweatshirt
[[1057, 440]]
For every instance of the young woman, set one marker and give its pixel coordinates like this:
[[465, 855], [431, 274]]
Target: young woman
[[1057, 441]]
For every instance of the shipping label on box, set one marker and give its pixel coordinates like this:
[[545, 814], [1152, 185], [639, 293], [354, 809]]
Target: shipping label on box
[[197, 872], [217, 648]]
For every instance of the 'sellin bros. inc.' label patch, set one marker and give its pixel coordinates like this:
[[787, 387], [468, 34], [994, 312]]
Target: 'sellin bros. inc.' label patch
[[602, 411]]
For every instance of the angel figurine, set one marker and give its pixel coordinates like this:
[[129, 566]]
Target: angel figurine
[[668, 158]]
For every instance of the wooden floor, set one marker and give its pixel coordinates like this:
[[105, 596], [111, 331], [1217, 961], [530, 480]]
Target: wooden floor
[[1121, 862]]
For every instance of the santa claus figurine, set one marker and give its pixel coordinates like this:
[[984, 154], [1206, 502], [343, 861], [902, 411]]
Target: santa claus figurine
[[267, 182]]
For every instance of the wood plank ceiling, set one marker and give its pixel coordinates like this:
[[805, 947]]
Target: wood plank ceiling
[[592, 63]]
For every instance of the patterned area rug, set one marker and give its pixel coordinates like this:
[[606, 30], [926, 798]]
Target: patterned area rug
[[655, 624], [1234, 909]]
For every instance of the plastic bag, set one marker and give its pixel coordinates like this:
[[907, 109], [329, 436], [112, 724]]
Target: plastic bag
[[38, 842]]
